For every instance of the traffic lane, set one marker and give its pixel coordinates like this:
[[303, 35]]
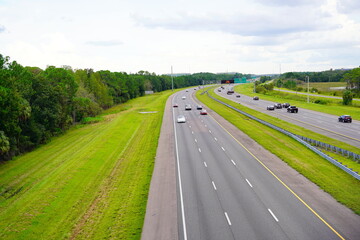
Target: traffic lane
[[248, 216], [204, 218], [294, 217], [318, 122]]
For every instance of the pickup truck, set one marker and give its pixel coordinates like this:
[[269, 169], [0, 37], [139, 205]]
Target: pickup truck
[[292, 109]]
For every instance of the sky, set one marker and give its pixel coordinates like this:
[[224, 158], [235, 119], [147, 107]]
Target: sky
[[245, 36]]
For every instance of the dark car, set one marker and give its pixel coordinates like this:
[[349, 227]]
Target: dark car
[[175, 105], [345, 118], [198, 107], [292, 109], [256, 98], [286, 105], [271, 107], [238, 95], [278, 106]]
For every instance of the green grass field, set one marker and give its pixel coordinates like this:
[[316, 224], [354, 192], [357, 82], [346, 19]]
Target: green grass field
[[323, 86], [332, 106], [343, 187], [90, 183]]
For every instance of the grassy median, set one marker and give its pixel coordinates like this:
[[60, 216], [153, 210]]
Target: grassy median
[[343, 187], [90, 183]]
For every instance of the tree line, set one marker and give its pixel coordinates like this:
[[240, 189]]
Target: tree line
[[291, 80], [37, 104]]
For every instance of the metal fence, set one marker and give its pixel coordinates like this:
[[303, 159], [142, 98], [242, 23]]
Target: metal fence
[[296, 137]]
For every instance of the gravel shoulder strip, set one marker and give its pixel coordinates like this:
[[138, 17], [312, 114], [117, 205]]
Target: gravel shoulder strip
[[161, 210]]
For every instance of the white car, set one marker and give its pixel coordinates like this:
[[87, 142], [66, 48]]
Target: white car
[[183, 98], [187, 107], [181, 119]]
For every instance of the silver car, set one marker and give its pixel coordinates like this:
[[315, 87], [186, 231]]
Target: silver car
[[181, 119]]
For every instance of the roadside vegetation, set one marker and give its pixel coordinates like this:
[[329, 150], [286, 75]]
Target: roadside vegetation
[[89, 183], [37, 104], [343, 187]]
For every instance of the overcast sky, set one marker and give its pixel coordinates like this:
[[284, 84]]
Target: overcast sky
[[246, 36]]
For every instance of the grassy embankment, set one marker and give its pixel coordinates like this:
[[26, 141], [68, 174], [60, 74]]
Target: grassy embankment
[[343, 187], [332, 106], [324, 88], [90, 183]]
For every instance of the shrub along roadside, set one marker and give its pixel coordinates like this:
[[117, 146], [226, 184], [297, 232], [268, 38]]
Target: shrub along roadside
[[343, 187], [90, 183]]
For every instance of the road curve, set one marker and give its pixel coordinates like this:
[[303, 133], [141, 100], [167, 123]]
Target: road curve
[[321, 123]]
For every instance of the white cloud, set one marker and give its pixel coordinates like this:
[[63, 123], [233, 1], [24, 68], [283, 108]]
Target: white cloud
[[106, 43], [204, 35]]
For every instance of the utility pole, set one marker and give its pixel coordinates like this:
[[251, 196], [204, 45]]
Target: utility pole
[[254, 86], [308, 88], [172, 79]]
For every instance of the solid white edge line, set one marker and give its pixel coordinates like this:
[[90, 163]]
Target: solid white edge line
[[233, 162], [214, 185], [205, 164], [248, 182], [179, 177], [273, 214], [227, 218]]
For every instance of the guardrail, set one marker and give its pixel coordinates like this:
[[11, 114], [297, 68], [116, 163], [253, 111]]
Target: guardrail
[[355, 157], [294, 136]]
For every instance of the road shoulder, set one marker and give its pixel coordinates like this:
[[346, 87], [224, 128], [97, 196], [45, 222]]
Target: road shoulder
[[161, 210]]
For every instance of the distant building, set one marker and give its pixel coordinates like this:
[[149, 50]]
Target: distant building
[[149, 92]]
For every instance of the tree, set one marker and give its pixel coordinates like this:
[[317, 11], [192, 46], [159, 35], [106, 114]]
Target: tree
[[352, 79], [347, 97], [4, 143]]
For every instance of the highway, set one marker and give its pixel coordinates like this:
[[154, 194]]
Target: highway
[[226, 192], [321, 123]]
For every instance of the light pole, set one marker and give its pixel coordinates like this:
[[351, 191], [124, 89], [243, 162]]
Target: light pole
[[307, 88], [172, 79]]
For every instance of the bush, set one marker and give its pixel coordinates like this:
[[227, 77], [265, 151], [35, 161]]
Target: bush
[[313, 90], [89, 120], [321, 101], [260, 89]]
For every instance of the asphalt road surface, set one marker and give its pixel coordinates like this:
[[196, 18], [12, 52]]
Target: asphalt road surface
[[226, 192], [322, 123]]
